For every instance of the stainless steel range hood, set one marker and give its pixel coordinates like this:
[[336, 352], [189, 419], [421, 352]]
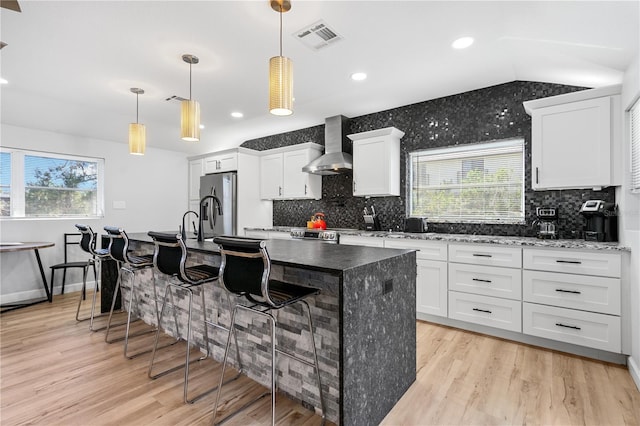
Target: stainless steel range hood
[[336, 159]]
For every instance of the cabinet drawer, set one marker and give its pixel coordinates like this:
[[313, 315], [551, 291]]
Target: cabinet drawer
[[491, 311], [486, 280], [510, 257], [587, 293], [427, 250], [355, 240], [574, 262], [577, 327]]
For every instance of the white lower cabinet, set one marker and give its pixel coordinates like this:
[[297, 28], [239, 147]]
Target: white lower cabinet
[[486, 280], [431, 274], [263, 235], [590, 329], [492, 311], [596, 294]]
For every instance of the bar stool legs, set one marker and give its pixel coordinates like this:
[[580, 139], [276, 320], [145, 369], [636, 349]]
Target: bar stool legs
[[85, 272], [266, 313], [132, 296]]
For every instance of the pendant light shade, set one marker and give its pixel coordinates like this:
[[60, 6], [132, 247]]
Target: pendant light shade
[[190, 121], [137, 131], [280, 86], [190, 109], [280, 72]]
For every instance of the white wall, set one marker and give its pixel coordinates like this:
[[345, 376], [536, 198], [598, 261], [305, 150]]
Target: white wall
[[630, 217], [153, 187]]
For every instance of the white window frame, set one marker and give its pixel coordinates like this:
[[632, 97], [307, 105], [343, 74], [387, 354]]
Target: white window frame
[[634, 136], [18, 184], [470, 151]]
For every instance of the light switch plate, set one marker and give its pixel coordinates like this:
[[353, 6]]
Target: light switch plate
[[119, 205]]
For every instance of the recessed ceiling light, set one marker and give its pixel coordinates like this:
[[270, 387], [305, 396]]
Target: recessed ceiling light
[[358, 76], [202, 126], [237, 114], [3, 81], [462, 43]]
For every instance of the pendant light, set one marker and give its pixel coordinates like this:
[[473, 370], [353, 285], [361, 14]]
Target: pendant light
[[137, 131], [190, 109], [280, 72]]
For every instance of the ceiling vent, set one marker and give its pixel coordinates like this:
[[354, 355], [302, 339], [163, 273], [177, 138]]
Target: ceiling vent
[[317, 36]]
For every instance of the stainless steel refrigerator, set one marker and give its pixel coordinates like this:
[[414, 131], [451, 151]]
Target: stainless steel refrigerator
[[218, 195]]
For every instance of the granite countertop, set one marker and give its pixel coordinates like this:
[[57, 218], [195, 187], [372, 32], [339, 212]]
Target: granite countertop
[[333, 258], [468, 238]]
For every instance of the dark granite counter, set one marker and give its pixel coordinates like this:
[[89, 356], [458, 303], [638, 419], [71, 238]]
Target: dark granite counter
[[364, 323], [469, 238]]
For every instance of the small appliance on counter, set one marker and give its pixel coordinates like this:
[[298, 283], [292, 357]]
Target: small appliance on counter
[[416, 224], [547, 222], [371, 220], [602, 220]]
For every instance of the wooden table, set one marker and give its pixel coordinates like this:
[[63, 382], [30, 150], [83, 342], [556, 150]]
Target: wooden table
[[6, 247]]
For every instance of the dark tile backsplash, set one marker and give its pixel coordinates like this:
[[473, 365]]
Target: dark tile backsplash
[[478, 116]]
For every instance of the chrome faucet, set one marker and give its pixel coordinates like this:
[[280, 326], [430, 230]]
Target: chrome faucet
[[184, 228], [203, 213]]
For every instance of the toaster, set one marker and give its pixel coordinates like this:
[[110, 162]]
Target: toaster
[[415, 224]]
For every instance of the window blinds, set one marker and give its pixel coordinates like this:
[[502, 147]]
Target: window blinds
[[475, 182]]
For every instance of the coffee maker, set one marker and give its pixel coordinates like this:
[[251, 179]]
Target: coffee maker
[[547, 222], [602, 220]]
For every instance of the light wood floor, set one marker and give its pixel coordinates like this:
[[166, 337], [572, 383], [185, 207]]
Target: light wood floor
[[53, 371]]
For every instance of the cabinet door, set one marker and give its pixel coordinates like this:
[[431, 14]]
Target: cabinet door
[[374, 172], [571, 145], [195, 171], [271, 177], [221, 163], [431, 287], [296, 183]]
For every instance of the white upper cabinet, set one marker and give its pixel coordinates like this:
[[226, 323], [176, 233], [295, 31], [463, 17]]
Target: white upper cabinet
[[195, 171], [281, 175], [271, 173], [575, 139], [221, 162], [376, 162]]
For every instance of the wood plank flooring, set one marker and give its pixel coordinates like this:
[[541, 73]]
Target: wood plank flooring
[[53, 371]]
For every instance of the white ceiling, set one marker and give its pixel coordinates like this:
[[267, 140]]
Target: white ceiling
[[70, 65]]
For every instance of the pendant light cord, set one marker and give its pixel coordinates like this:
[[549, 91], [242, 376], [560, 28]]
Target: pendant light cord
[[137, 95], [190, 80], [280, 28]]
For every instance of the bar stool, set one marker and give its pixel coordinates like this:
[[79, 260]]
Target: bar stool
[[170, 258], [88, 244], [128, 263], [245, 271]]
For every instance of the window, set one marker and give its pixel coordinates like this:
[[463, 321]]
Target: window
[[635, 146], [470, 183], [34, 184]]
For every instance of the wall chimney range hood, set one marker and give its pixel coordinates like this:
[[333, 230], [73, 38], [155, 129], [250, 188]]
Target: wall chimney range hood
[[336, 159]]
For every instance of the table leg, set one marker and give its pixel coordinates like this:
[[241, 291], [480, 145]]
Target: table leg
[[44, 279]]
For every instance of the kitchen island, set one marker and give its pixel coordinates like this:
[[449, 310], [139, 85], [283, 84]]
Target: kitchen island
[[364, 319]]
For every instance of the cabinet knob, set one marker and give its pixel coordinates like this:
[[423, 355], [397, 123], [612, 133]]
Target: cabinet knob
[[280, 190]]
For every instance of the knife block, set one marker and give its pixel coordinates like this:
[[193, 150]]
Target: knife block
[[371, 222]]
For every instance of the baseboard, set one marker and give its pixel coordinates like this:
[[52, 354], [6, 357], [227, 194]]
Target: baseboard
[[634, 370], [40, 293]]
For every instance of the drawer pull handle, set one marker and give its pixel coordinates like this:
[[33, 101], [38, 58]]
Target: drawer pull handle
[[561, 290], [481, 280], [573, 262], [482, 255], [559, 324], [482, 310]]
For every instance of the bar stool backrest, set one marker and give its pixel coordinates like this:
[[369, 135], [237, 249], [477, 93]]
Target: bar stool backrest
[[118, 243], [245, 267], [170, 253], [88, 240]]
